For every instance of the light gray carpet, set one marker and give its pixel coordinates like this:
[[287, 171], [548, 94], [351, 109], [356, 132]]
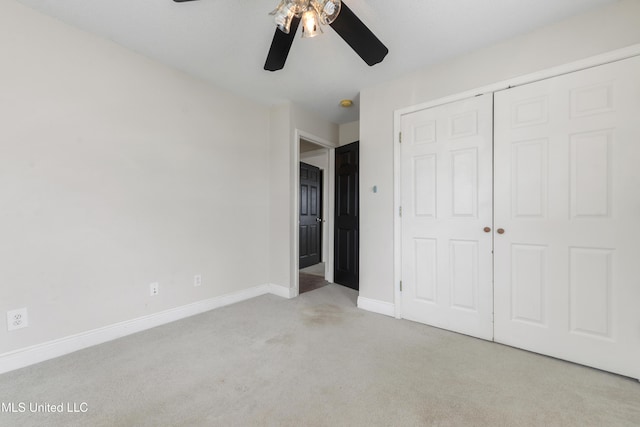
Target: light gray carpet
[[310, 282], [315, 361], [316, 269]]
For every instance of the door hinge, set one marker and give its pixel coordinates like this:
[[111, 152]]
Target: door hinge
[[400, 211], [400, 138], [400, 285]]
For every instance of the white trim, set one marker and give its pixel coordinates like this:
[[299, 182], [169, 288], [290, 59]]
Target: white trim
[[330, 203], [375, 306], [317, 152], [295, 202], [327, 194], [590, 62], [397, 223], [41, 352], [282, 291]]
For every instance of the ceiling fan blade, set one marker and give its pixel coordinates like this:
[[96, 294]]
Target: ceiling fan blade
[[280, 47], [359, 37]]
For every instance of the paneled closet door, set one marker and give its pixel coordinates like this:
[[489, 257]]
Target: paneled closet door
[[446, 206], [567, 198]]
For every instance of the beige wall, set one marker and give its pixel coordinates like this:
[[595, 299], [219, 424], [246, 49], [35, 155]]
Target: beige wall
[[288, 122], [318, 158], [349, 132], [602, 30], [116, 172], [279, 195]]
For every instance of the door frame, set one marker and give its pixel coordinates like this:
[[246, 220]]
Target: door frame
[[328, 193], [593, 61]]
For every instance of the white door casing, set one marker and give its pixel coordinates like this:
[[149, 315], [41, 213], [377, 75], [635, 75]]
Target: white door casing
[[567, 194], [446, 198]]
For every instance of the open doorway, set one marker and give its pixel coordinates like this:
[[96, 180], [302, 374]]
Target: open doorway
[[313, 215]]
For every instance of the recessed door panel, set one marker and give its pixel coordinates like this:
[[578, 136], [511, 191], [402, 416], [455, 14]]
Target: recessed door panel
[[426, 269], [464, 124], [464, 183], [590, 291], [592, 99], [424, 183], [529, 178], [425, 133], [529, 278], [591, 174], [464, 274], [530, 112]]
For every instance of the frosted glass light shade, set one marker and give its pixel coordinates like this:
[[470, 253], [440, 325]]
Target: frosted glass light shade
[[310, 24], [328, 10], [283, 14]]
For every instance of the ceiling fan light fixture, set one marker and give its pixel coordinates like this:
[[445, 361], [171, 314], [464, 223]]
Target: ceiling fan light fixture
[[312, 14], [283, 15], [310, 24], [328, 10]]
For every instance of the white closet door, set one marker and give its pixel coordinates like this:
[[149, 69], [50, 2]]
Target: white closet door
[[567, 194], [446, 202]]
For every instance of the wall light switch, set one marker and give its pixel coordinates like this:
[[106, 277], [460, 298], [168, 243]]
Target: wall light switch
[[154, 288]]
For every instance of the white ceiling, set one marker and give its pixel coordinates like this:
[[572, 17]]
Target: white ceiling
[[226, 41]]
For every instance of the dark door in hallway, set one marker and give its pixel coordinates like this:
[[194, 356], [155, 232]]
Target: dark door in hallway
[[310, 215], [346, 242]]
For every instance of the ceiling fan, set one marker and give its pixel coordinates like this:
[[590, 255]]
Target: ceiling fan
[[312, 13]]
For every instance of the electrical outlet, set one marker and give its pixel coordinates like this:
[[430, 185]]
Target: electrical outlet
[[154, 288], [17, 319], [197, 280]]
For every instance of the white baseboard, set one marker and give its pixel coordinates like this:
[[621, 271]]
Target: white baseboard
[[282, 291], [375, 306], [39, 353]]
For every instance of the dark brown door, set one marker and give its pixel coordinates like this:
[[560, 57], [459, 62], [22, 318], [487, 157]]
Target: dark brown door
[[310, 215], [347, 223]]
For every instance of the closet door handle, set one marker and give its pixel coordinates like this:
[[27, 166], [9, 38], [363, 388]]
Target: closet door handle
[[487, 229], [500, 230]]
